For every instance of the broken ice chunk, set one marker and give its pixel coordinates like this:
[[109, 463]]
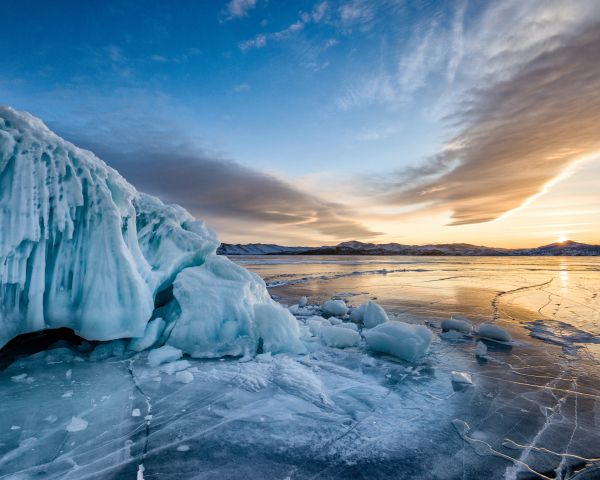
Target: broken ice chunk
[[457, 325], [278, 329], [335, 307], [349, 326], [462, 378], [358, 314], [173, 367], [302, 302], [315, 323], [405, 341], [374, 315], [339, 337], [493, 332], [184, 377], [480, 349], [136, 412], [164, 354]]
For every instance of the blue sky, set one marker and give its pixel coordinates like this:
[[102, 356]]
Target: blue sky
[[328, 114]]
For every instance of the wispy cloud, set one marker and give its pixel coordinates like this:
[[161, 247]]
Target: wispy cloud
[[356, 12], [316, 15], [241, 87], [214, 188], [516, 135], [238, 8]]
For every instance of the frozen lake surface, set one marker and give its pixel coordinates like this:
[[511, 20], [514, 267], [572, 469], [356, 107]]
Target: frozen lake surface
[[532, 411]]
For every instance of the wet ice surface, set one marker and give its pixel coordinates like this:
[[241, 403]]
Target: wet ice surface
[[532, 412]]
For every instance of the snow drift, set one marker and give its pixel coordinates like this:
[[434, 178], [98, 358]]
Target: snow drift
[[81, 248]]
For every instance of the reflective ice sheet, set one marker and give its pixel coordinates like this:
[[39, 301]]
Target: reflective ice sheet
[[532, 411]]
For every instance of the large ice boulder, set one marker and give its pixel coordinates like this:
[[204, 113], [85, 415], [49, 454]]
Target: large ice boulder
[[339, 337], [494, 332], [335, 307], [374, 315], [403, 340], [457, 325], [81, 248]]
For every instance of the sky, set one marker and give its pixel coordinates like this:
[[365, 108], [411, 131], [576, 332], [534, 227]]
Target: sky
[[316, 122]]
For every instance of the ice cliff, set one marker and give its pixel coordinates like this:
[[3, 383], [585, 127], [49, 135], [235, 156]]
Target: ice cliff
[[81, 248]]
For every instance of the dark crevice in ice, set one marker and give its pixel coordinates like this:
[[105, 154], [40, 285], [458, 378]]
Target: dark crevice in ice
[[32, 343]]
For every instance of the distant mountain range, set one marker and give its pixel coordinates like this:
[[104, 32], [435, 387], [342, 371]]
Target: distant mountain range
[[567, 248]]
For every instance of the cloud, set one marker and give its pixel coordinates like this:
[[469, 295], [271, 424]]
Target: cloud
[[356, 12], [259, 41], [238, 8], [517, 135], [241, 201], [241, 87], [215, 188], [316, 15]]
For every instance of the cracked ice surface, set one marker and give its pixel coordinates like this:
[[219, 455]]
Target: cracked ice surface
[[532, 412]]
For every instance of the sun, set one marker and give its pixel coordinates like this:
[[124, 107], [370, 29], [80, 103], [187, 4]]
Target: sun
[[562, 239]]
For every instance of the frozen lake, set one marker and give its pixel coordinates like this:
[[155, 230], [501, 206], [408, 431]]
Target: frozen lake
[[533, 410]]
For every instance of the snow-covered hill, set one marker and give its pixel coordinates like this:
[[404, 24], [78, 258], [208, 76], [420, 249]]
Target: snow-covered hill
[[257, 249], [459, 249], [81, 248]]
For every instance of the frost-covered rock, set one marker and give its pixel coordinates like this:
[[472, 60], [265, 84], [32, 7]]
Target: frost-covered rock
[[457, 325], [339, 337], [494, 332], [335, 307], [81, 248], [374, 315], [405, 341]]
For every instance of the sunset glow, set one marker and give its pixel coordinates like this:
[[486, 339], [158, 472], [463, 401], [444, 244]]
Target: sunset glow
[[317, 122]]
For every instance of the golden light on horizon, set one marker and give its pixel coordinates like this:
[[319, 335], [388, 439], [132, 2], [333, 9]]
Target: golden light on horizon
[[562, 238]]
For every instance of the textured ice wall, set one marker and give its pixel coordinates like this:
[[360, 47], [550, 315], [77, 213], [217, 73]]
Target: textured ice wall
[[81, 248]]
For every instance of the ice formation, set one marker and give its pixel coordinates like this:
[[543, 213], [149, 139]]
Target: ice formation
[[184, 377], [463, 378], [457, 325], [339, 337], [494, 332], [403, 340], [335, 307], [374, 315], [358, 314], [165, 354], [81, 248], [480, 349]]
